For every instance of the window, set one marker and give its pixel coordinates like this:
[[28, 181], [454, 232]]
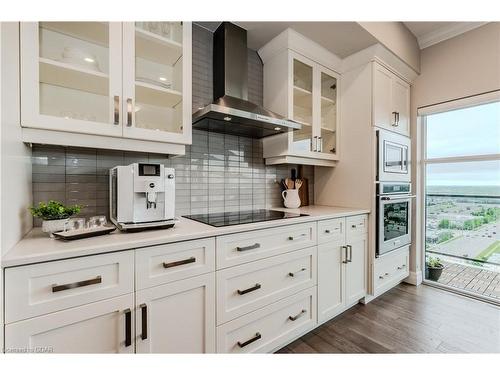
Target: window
[[461, 169]]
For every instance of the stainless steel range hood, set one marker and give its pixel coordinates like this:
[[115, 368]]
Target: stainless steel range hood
[[231, 112]]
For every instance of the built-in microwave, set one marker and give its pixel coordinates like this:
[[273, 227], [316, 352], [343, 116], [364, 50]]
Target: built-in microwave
[[393, 157]]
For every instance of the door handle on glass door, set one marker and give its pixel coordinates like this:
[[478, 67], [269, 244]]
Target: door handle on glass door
[[129, 112]]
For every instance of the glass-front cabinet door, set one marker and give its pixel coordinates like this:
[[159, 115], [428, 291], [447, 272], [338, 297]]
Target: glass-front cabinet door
[[328, 119], [71, 76], [157, 81], [302, 108]]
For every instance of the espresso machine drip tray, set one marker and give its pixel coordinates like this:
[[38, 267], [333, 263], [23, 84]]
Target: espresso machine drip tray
[[135, 227]]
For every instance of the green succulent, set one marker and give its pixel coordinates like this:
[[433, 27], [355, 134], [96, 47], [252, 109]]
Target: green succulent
[[53, 210]]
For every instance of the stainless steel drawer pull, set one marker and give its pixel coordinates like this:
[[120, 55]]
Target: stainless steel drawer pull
[[78, 284], [144, 319], [292, 274], [253, 339], [179, 262], [346, 259], [251, 247], [349, 247], [116, 114], [294, 318], [129, 112], [328, 231], [402, 266], [293, 238], [128, 327], [381, 277], [245, 291]]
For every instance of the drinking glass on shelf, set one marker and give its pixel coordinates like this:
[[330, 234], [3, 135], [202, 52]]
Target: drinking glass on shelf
[[75, 223], [97, 221]]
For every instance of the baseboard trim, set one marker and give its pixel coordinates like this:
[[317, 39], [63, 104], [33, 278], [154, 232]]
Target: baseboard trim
[[414, 278]]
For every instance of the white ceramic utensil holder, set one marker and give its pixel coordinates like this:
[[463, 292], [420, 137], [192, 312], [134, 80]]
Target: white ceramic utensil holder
[[291, 198]]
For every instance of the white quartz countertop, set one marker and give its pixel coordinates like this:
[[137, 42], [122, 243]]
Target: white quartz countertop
[[37, 247]]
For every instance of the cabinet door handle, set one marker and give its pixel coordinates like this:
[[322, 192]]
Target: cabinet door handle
[[129, 112], [292, 274], [251, 247], [402, 266], [395, 123], [315, 144], [349, 247], [293, 238], [397, 118], [144, 321], [346, 259], [328, 231], [78, 284], [253, 339], [179, 262], [251, 289], [320, 144], [128, 327], [116, 112], [294, 318]]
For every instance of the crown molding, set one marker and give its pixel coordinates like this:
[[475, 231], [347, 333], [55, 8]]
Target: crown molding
[[447, 32]]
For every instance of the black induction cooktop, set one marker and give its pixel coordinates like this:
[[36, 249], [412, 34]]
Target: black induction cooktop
[[222, 219]]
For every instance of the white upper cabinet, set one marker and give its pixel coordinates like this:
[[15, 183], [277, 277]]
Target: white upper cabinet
[[300, 83], [391, 101], [156, 90], [107, 79]]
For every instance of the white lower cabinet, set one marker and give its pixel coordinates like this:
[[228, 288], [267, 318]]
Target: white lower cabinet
[[269, 328], [342, 271], [100, 327], [331, 269], [178, 317]]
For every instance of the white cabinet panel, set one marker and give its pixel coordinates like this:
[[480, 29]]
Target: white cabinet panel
[[355, 269], [250, 286], [390, 269], [234, 249], [331, 258], [162, 264], [47, 287], [100, 327], [270, 327], [391, 101], [177, 317]]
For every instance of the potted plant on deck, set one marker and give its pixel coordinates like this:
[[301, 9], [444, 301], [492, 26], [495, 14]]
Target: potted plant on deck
[[54, 214], [433, 268]]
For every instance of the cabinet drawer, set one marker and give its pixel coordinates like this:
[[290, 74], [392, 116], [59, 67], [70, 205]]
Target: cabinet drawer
[[47, 287], [270, 327], [331, 230], [390, 269], [356, 225], [245, 247], [166, 263], [246, 288]]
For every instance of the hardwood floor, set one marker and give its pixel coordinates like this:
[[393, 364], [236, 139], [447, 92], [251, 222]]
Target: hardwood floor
[[408, 319]]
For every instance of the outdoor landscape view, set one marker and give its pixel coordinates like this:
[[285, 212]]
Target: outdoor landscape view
[[464, 222]]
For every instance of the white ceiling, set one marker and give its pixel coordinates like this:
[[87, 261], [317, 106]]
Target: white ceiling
[[341, 38]]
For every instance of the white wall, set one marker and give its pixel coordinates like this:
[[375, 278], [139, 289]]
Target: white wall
[[468, 64]]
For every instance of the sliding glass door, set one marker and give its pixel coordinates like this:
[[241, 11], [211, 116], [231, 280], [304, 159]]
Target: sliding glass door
[[461, 169]]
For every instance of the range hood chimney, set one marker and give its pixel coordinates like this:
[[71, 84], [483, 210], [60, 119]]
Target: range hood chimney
[[231, 112]]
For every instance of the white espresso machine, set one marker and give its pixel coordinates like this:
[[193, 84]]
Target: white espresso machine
[[142, 196]]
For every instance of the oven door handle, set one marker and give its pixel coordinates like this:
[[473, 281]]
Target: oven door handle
[[397, 197]]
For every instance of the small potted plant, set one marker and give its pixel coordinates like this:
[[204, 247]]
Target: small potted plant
[[54, 214], [433, 268]]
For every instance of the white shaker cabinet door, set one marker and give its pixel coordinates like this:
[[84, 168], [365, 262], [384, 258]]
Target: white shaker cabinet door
[[401, 104], [331, 258], [382, 107], [178, 317], [101, 327], [355, 274]]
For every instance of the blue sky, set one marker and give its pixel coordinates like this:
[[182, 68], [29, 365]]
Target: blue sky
[[464, 132]]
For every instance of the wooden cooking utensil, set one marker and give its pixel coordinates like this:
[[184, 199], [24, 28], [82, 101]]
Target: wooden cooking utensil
[[298, 183], [289, 183], [304, 188]]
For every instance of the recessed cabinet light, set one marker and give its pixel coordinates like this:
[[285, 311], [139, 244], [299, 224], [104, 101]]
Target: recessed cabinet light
[[89, 60], [163, 79], [227, 118], [277, 128]]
